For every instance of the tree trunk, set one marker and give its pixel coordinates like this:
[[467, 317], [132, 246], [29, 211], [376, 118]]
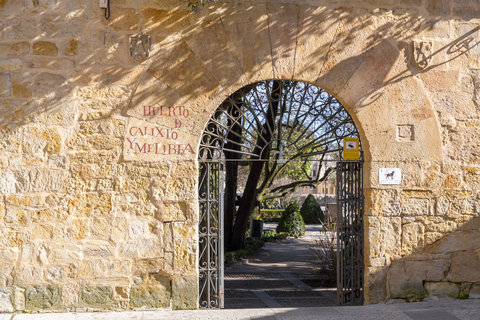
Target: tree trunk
[[249, 197], [231, 180]]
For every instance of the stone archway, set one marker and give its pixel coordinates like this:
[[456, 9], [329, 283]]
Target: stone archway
[[369, 72]]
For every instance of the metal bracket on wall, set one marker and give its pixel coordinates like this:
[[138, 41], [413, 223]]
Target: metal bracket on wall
[[105, 4]]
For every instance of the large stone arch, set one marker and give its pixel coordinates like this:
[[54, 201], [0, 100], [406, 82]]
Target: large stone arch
[[367, 70]]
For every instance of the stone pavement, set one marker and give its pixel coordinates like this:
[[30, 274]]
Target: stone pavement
[[433, 310], [277, 277]]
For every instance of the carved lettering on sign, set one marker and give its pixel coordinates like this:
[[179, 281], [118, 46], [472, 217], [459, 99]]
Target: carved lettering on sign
[[145, 139]]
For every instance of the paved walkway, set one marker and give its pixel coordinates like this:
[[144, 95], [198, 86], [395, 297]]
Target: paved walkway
[[278, 277], [438, 310]]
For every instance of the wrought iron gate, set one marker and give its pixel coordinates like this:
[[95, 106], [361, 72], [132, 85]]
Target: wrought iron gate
[[210, 235], [350, 233], [276, 122]]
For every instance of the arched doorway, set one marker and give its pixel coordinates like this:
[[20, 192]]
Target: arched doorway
[[273, 129]]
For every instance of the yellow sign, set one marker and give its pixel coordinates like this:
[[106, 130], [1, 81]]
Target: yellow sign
[[351, 149]]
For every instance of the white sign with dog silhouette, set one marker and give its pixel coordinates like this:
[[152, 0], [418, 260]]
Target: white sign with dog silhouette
[[390, 176]]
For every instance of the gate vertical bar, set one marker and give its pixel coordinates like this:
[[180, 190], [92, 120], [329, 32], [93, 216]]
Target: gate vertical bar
[[221, 231], [339, 242], [350, 259], [210, 253]]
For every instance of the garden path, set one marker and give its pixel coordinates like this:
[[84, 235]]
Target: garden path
[[273, 279]]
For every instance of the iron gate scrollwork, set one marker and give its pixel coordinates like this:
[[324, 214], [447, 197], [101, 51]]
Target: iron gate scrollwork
[[350, 241], [264, 126], [210, 236]]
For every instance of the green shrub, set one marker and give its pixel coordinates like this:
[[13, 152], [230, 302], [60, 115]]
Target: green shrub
[[291, 221], [311, 211]]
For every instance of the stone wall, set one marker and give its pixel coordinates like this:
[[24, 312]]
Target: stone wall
[[98, 196]]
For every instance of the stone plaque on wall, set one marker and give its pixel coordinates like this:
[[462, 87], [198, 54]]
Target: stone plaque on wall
[[150, 141]]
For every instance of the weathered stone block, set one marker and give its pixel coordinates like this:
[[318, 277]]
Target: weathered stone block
[[98, 248], [427, 270], [415, 207], [7, 182], [5, 301], [464, 266], [70, 294], [17, 217], [466, 240], [475, 291], [5, 85], [147, 266], [128, 250], [40, 5], [66, 253], [376, 286], [42, 297], [45, 48], [401, 287], [438, 7], [122, 19], [22, 29], [14, 64], [153, 296], [443, 206], [443, 289], [136, 230], [108, 92], [14, 50], [61, 25], [62, 233], [437, 29], [121, 293], [96, 295], [174, 189], [148, 209], [19, 299], [47, 179], [8, 255], [185, 292], [118, 268], [45, 82], [42, 232], [165, 22], [150, 248], [132, 183], [119, 228], [100, 228], [28, 201], [6, 278], [55, 273], [148, 169], [173, 211], [432, 237], [92, 268], [184, 169], [91, 205], [70, 48], [80, 229], [22, 85], [29, 275], [185, 246], [413, 238]]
